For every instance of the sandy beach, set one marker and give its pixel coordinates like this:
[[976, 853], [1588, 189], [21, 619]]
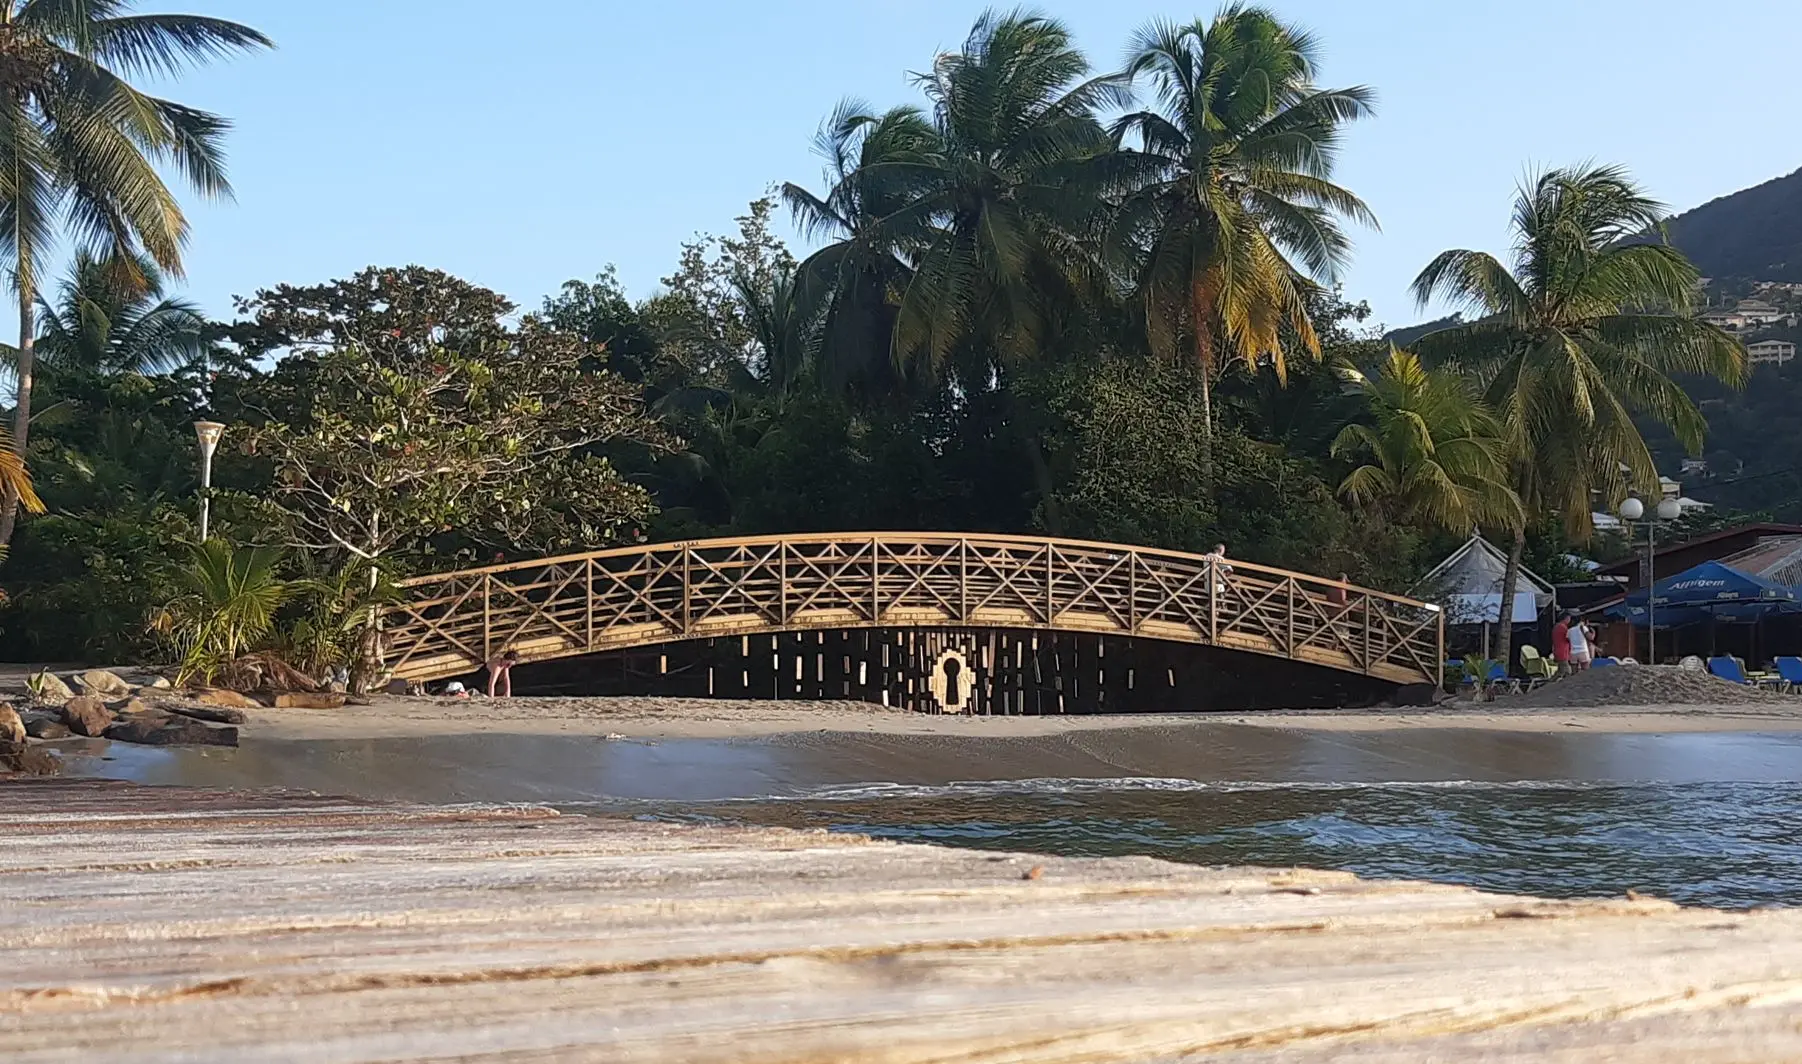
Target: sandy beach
[[677, 718]]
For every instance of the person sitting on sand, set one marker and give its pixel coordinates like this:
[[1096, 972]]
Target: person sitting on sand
[[500, 671]]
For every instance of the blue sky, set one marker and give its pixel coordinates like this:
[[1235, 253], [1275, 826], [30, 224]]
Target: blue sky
[[522, 144]]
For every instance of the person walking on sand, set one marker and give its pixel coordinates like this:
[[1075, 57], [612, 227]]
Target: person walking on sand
[[1579, 635], [500, 673]]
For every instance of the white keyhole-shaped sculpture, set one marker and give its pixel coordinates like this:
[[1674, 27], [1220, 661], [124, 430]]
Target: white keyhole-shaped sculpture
[[952, 681]]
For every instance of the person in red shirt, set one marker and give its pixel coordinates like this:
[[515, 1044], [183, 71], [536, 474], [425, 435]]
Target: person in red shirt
[[1561, 645]]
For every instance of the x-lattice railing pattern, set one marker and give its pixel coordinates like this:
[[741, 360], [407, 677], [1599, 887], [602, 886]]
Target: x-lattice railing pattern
[[629, 597]]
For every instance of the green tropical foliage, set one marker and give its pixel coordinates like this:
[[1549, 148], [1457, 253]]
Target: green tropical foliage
[[82, 151], [1431, 454], [1581, 332], [1042, 299], [1236, 216], [225, 605], [111, 316]]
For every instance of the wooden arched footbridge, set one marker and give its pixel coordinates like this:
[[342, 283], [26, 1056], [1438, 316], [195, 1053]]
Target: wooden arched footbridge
[[647, 596]]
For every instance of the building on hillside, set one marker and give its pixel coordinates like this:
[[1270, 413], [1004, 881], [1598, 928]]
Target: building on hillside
[[1770, 352], [1758, 312], [1725, 320]]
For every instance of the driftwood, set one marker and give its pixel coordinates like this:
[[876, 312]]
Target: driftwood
[[145, 924]]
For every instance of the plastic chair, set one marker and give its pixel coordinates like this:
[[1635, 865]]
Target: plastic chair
[[1538, 670], [1604, 663], [1498, 676], [1789, 673], [1728, 669]]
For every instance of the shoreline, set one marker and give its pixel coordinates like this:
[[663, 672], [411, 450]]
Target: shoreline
[[635, 717]]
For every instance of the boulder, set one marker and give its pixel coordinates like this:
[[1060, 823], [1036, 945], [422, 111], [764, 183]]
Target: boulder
[[132, 707], [157, 683], [209, 713], [49, 689], [309, 700], [28, 760], [171, 730], [102, 684], [12, 729], [218, 696], [47, 728], [86, 715]]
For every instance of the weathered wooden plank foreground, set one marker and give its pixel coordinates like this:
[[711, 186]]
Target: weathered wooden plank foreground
[[150, 925]]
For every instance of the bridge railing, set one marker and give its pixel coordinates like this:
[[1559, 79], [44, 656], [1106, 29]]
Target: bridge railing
[[641, 596]]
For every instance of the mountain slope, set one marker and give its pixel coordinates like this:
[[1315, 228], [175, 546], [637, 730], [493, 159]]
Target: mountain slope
[[1756, 233]]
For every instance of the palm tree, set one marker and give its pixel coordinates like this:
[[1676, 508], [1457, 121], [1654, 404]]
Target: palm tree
[[852, 284], [1582, 333], [226, 607], [1431, 453], [80, 147], [1237, 216], [112, 317], [15, 479], [969, 220]]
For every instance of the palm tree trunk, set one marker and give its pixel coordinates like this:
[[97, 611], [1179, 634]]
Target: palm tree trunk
[[9, 499], [1504, 637], [1201, 314]]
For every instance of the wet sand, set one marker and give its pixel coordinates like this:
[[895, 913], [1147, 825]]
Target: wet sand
[[570, 767]]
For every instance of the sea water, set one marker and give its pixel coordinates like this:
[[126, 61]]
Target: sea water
[[1706, 819], [1727, 845]]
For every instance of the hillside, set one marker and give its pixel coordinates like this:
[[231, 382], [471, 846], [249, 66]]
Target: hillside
[[1755, 234]]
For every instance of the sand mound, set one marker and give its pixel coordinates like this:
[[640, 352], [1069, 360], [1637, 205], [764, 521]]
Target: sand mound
[[1643, 685]]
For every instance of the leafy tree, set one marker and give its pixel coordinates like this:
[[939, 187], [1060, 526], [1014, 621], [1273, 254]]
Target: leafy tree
[[408, 411], [1237, 155], [81, 148], [112, 317], [1431, 454], [1581, 334]]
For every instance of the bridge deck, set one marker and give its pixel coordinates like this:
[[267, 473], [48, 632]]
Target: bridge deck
[[644, 596]]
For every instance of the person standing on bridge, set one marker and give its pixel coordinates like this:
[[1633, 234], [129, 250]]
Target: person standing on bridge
[[500, 672], [1217, 561]]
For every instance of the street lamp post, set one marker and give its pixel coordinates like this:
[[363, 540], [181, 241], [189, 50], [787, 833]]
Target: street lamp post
[[208, 433], [1632, 511]]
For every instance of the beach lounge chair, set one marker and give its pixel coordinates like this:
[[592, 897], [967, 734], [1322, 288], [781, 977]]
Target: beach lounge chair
[[1729, 669], [1753, 676], [1499, 678], [1537, 669], [1789, 672], [1604, 663]]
